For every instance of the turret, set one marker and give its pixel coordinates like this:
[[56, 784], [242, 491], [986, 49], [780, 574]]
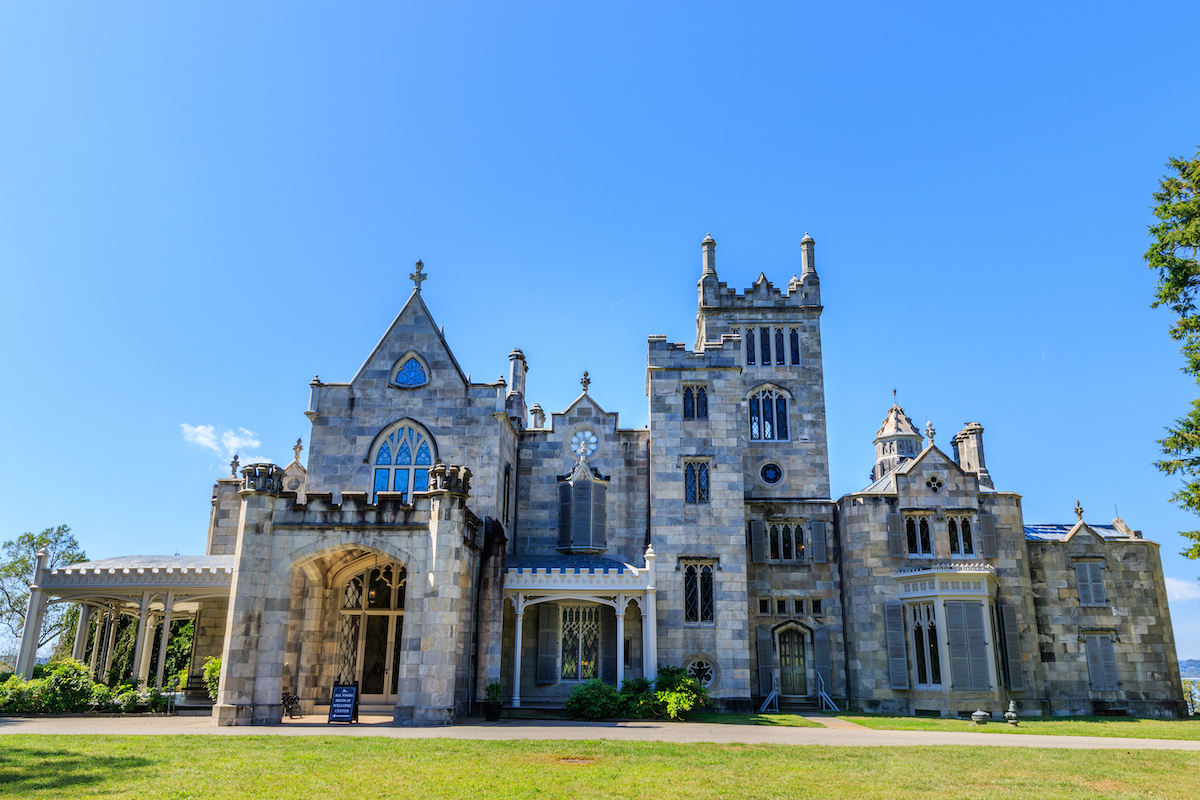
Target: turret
[[896, 442], [810, 288], [707, 287], [517, 370]]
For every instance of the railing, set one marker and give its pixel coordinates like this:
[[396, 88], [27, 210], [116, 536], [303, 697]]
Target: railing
[[771, 703], [827, 703]]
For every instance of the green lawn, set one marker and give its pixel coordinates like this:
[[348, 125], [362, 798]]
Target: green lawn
[[784, 720], [304, 766], [1061, 726]]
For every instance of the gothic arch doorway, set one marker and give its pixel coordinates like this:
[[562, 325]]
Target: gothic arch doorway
[[370, 630], [793, 669]]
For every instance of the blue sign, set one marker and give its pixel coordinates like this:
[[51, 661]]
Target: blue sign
[[343, 702]]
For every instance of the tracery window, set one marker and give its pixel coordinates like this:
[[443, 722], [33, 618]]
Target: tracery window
[[795, 336], [961, 541], [698, 592], [701, 671], [764, 337], [917, 534], [750, 346], [370, 633], [785, 541], [779, 351], [768, 416], [411, 373], [695, 402], [925, 644], [580, 642], [402, 460], [695, 482]]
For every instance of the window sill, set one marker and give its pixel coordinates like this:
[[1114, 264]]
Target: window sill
[[707, 624]]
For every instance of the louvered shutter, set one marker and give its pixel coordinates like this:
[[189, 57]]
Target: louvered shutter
[[758, 544], [608, 645], [599, 516], [1083, 580], [581, 514], [822, 655], [976, 646], [564, 515], [1012, 647], [818, 542], [956, 643], [1108, 662], [1091, 645], [893, 614], [766, 659], [987, 536], [547, 650], [895, 535], [1096, 576]]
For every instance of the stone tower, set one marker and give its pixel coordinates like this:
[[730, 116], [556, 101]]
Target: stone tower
[[896, 442]]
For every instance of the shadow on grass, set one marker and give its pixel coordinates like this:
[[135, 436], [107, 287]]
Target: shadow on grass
[[30, 769]]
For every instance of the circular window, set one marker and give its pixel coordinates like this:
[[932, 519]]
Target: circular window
[[702, 671], [584, 443], [771, 473], [934, 483]]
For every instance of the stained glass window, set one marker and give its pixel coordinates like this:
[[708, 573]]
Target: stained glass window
[[702, 495], [768, 416], [955, 545], [750, 346], [385, 454], [910, 529], [394, 460], [755, 420], [764, 336], [968, 544], [698, 599], [411, 374], [926, 545], [706, 593], [689, 482]]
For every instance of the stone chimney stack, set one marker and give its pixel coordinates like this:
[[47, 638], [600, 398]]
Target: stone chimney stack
[[808, 257], [537, 416], [517, 369], [709, 248], [968, 443]]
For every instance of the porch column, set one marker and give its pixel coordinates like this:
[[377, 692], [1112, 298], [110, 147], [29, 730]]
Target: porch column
[[141, 662], [620, 641], [166, 634], [96, 642], [79, 648], [110, 643], [516, 695], [650, 619], [27, 654]]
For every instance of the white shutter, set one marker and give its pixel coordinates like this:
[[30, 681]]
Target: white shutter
[[977, 646]]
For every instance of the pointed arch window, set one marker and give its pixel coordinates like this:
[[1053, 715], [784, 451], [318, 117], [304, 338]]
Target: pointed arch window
[[695, 402], [764, 337], [409, 371], [698, 592], [795, 336], [402, 460], [779, 351], [768, 416], [750, 346]]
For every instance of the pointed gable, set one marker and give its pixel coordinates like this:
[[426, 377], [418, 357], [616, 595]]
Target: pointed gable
[[414, 330]]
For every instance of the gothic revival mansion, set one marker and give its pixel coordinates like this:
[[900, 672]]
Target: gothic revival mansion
[[445, 534]]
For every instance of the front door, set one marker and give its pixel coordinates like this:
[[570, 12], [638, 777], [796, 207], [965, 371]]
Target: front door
[[793, 677], [370, 632], [381, 657]]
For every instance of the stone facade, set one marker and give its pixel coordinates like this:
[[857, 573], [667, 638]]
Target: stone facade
[[444, 535]]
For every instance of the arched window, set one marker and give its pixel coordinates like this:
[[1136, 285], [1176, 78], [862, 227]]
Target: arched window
[[795, 336], [411, 373], [689, 403], [779, 351], [695, 482], [701, 403], [750, 346], [402, 459], [910, 529], [764, 336], [768, 416], [369, 636], [698, 592]]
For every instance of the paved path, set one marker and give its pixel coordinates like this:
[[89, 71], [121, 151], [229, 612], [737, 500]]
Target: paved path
[[857, 736]]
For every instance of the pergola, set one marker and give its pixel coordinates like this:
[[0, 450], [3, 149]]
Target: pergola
[[150, 588]]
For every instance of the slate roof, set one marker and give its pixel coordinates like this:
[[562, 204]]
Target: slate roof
[[563, 561], [1056, 533], [152, 562]]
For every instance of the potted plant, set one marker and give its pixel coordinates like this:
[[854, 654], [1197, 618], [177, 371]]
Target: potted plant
[[492, 705]]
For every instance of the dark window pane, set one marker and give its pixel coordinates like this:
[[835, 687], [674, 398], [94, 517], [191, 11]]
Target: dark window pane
[[919, 647], [925, 543], [764, 606], [396, 648], [817, 605], [910, 527], [689, 404], [781, 425], [375, 654], [706, 594], [968, 545], [701, 403], [379, 588], [691, 590], [689, 483], [779, 346], [702, 495], [781, 607], [786, 535], [764, 336], [755, 432], [768, 409], [935, 664], [795, 346], [952, 526], [799, 608], [775, 542], [750, 346]]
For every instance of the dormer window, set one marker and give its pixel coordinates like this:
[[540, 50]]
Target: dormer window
[[582, 510]]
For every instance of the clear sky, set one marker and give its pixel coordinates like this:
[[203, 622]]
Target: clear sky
[[204, 205]]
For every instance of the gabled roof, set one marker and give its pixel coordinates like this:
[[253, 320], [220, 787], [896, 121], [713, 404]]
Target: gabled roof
[[417, 304], [1061, 533], [897, 423], [909, 466], [583, 396]]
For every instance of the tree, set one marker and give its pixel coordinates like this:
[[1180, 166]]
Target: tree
[[1174, 254], [17, 561]]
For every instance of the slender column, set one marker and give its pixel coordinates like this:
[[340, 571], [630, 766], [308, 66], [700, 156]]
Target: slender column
[[143, 670], [620, 641], [79, 647], [114, 617], [516, 695], [139, 646], [166, 634], [27, 655], [648, 667], [650, 619], [100, 618]]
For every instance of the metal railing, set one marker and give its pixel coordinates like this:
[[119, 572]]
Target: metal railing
[[771, 703], [826, 701]]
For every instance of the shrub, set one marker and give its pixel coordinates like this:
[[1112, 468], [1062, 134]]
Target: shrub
[[212, 675], [103, 698], [595, 700], [67, 688], [637, 698], [677, 693], [493, 692], [156, 699], [130, 701], [17, 696]]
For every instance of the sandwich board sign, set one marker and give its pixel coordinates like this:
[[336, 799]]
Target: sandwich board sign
[[343, 702]]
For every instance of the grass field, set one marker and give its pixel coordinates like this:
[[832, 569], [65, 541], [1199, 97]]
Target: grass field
[[1061, 726], [783, 720], [302, 767]]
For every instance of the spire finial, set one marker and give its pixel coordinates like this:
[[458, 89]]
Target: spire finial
[[929, 432], [418, 277], [1078, 511], [299, 447], [233, 465], [586, 381]]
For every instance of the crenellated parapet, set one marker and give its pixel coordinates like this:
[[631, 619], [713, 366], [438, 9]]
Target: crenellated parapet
[[450, 478], [723, 354], [263, 478]]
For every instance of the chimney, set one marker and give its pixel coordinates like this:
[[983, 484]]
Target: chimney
[[517, 368], [969, 444]]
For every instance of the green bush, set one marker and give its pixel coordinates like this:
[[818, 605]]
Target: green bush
[[493, 692], [212, 675], [157, 700], [595, 700], [19, 696], [67, 689], [103, 699], [638, 700], [130, 701], [677, 693]]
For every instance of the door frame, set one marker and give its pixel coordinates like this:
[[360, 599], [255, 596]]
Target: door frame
[[805, 635]]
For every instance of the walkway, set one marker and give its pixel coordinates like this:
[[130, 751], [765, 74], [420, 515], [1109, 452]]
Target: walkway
[[857, 736]]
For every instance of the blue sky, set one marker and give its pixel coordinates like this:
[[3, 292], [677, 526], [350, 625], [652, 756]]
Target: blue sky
[[202, 206]]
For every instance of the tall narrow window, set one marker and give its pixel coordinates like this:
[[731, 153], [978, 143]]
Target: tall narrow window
[[695, 482], [910, 529], [507, 490], [701, 403], [750, 346], [955, 544], [785, 536], [779, 351], [968, 545], [402, 461], [768, 416], [926, 542], [580, 642], [689, 403], [925, 644], [755, 418], [764, 337], [795, 334], [774, 540], [918, 629], [698, 601]]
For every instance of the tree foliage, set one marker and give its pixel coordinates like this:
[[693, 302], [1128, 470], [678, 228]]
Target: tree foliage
[[18, 558], [1175, 253]]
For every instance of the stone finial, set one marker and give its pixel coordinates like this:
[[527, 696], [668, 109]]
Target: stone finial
[[1078, 511], [418, 277], [709, 256], [298, 449], [585, 381], [929, 432], [233, 466], [808, 257]]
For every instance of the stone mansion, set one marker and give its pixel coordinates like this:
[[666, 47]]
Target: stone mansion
[[445, 534]]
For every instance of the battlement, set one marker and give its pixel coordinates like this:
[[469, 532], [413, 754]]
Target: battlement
[[764, 295], [725, 354]]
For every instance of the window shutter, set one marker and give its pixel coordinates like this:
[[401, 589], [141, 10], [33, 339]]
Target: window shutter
[[564, 515], [1012, 647], [818, 542], [547, 649], [895, 535], [1095, 667], [893, 614], [599, 517], [1108, 661], [581, 514], [956, 643], [1096, 574], [758, 543], [821, 654], [987, 536], [1083, 580], [608, 645], [766, 659], [976, 646]]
